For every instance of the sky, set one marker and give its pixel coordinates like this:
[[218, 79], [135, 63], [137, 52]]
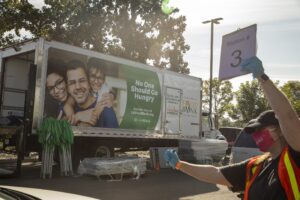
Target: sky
[[278, 34]]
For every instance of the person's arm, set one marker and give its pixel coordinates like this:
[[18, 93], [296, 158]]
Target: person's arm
[[98, 109], [107, 99], [69, 111], [86, 116], [207, 173], [286, 115]]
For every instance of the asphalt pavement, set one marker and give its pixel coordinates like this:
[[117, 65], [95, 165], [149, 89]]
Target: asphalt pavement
[[167, 184]]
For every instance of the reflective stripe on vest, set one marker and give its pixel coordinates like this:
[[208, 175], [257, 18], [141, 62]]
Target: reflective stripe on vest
[[289, 175], [252, 171]]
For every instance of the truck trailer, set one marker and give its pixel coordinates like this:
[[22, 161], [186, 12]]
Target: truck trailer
[[145, 106]]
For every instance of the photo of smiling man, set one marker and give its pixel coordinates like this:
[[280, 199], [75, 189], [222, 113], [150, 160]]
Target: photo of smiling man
[[91, 110]]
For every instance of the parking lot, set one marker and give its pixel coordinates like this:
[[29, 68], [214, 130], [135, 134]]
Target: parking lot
[[165, 184]]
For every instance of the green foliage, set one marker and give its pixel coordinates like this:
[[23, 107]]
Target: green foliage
[[221, 98], [136, 30], [250, 102], [166, 9], [228, 122], [292, 91]]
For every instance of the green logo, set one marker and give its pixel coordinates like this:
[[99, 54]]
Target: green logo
[[143, 98]]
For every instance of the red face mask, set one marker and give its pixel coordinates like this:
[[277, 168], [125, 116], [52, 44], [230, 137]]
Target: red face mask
[[263, 139]]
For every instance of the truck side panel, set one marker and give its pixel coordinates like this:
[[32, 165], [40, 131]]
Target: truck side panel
[[185, 104]]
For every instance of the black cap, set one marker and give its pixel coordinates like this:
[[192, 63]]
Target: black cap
[[265, 119]]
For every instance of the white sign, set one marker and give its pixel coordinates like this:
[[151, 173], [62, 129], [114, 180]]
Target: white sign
[[236, 46]]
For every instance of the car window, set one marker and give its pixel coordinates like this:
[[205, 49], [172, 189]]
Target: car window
[[245, 140]]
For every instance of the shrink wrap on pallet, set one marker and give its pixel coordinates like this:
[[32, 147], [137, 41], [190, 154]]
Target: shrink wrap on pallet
[[113, 166]]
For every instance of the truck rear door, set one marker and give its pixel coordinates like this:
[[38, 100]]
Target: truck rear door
[[18, 87], [173, 110]]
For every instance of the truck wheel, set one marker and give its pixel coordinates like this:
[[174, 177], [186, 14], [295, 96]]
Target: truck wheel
[[104, 152]]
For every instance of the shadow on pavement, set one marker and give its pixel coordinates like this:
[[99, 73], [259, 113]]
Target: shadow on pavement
[[164, 185]]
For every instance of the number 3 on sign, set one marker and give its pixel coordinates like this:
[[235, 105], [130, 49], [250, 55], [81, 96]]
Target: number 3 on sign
[[236, 47], [237, 55]]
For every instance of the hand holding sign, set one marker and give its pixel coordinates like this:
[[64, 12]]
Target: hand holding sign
[[252, 65], [236, 47]]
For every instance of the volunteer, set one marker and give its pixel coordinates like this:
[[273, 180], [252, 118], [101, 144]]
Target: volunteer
[[274, 175]]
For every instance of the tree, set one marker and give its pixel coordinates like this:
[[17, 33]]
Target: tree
[[292, 91], [131, 29], [250, 102], [221, 98]]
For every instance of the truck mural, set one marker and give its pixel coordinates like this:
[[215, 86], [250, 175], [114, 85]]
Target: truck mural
[[79, 87]]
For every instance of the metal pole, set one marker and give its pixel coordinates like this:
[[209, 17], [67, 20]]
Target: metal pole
[[212, 22], [211, 64]]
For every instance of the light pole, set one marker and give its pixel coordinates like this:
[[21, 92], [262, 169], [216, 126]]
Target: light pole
[[212, 22]]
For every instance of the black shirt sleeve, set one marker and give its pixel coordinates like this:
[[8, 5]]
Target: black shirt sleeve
[[236, 175]]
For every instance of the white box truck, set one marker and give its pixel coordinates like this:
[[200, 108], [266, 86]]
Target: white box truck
[[147, 106]]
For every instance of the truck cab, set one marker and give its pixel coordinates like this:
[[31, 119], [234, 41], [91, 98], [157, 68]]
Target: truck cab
[[208, 127]]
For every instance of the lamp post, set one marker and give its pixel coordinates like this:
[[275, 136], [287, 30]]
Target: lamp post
[[212, 22]]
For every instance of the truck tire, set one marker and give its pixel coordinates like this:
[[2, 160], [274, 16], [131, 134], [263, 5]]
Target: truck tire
[[104, 152]]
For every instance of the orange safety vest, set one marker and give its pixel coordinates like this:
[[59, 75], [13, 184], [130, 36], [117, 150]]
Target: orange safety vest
[[288, 173]]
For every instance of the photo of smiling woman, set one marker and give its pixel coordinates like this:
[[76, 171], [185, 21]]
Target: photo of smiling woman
[[57, 89]]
